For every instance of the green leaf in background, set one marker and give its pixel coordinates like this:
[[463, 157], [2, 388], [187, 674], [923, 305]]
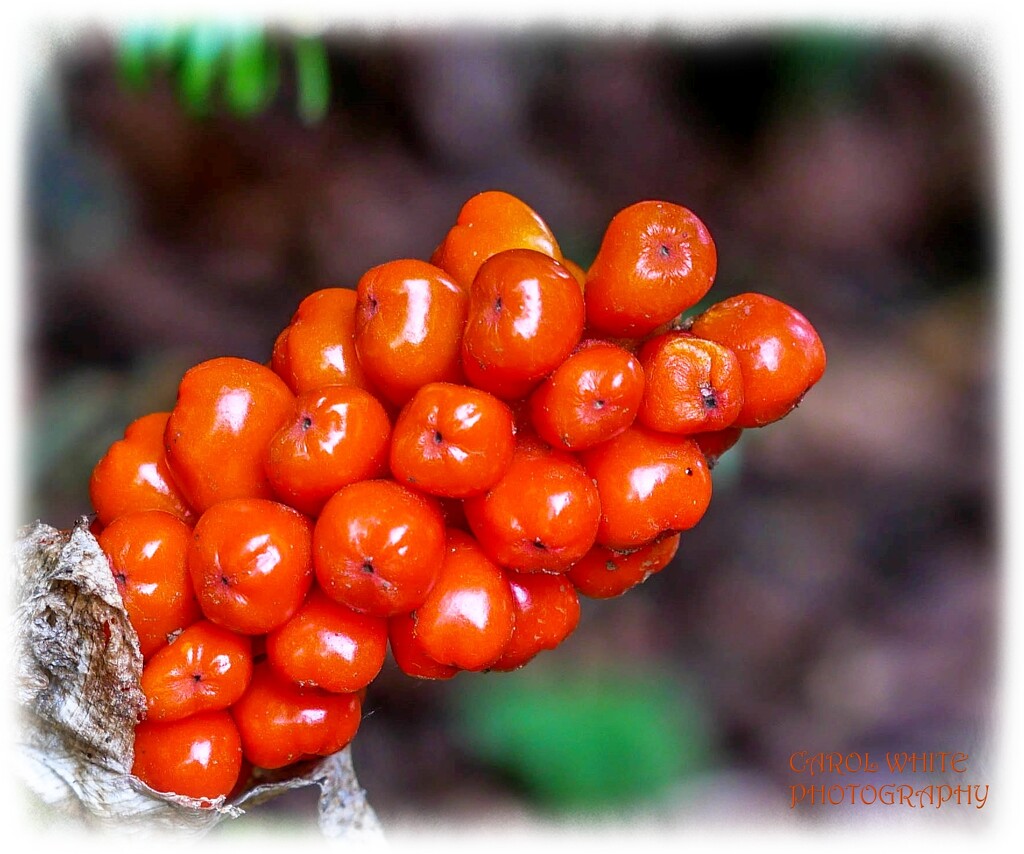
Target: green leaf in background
[[312, 79], [241, 59], [584, 742], [141, 47], [202, 53], [249, 82], [133, 50], [835, 60]]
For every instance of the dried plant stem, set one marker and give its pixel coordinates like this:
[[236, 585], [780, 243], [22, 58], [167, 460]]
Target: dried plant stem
[[77, 672]]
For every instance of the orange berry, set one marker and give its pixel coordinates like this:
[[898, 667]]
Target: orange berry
[[378, 547], [337, 435], [648, 483], [604, 573], [489, 223], [148, 558], [409, 654], [328, 645], [217, 434], [593, 395], [578, 273], [198, 757], [133, 475], [205, 669], [542, 516], [547, 611], [713, 445], [452, 441], [318, 347], [280, 723], [467, 618], [525, 317], [656, 260], [693, 385], [251, 563], [780, 354], [409, 320]]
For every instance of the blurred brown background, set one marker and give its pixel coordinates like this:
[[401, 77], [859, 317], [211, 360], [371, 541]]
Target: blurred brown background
[[840, 594]]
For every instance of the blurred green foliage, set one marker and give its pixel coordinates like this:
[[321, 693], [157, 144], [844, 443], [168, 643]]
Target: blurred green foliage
[[585, 741], [239, 66], [826, 65]]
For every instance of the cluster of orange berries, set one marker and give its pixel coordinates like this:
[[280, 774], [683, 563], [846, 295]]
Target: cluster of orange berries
[[439, 461]]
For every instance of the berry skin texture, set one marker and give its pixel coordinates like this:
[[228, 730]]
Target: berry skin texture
[[592, 396], [780, 353], [217, 434], [280, 723], [489, 223], [205, 669], [466, 621], [337, 435], [547, 611], [328, 645], [656, 260], [408, 332], [199, 756], [648, 483], [542, 516], [378, 547], [525, 317], [452, 441], [279, 355], [605, 574], [714, 445], [148, 558], [409, 654], [133, 475], [251, 563], [318, 346], [693, 385]]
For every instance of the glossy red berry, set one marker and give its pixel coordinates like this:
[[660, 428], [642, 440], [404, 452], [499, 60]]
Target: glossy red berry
[[693, 385], [328, 645], [649, 483], [251, 563], [714, 445], [593, 395], [467, 618], [205, 669], [337, 435], [543, 515], [409, 654], [280, 723], [378, 547], [278, 362], [318, 347], [198, 757], [656, 260], [452, 441], [489, 223], [217, 434], [133, 475], [780, 354], [148, 552], [409, 321], [525, 317], [547, 611], [604, 573]]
